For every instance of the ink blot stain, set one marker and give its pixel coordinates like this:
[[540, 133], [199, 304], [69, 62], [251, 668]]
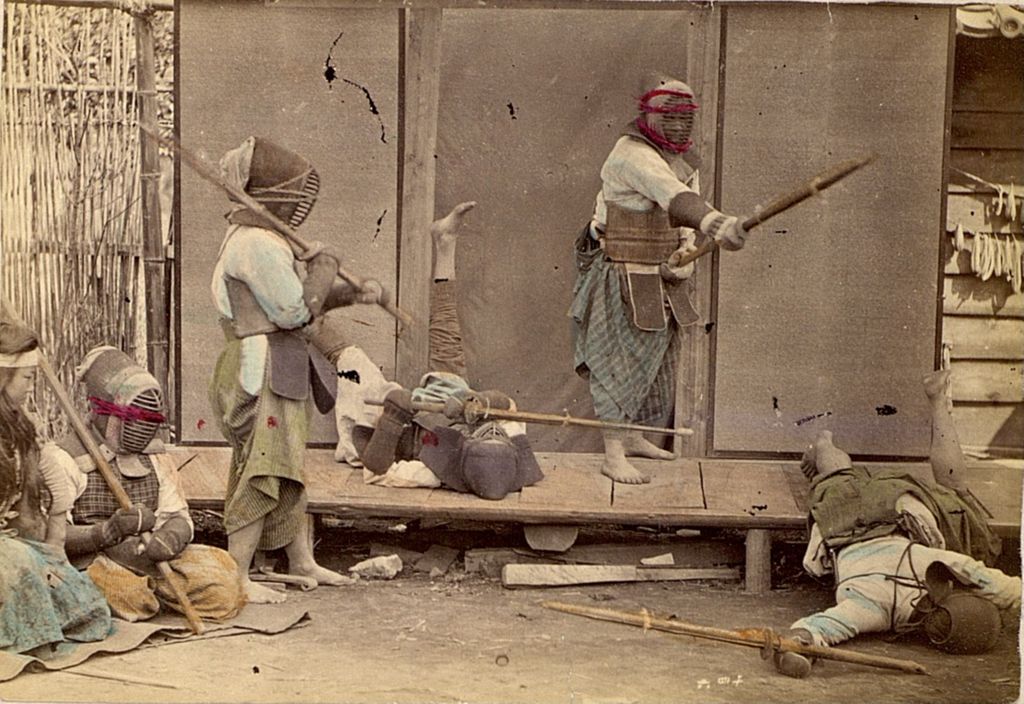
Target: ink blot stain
[[200, 424], [255, 670], [885, 410], [350, 374], [808, 419], [429, 439], [775, 403], [373, 107], [708, 327], [379, 221], [511, 110], [330, 74], [271, 422]]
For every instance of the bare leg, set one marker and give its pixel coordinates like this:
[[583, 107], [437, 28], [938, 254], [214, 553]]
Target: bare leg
[[444, 233], [616, 467], [945, 454], [636, 445], [301, 561], [242, 547]]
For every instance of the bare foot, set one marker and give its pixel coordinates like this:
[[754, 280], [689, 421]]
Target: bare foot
[[636, 445], [258, 594], [620, 470], [935, 383], [323, 576], [445, 229]]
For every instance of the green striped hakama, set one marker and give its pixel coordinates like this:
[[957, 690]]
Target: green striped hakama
[[268, 435], [631, 372]]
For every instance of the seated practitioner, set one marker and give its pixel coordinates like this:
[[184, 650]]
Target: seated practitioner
[[44, 600], [630, 297], [127, 406], [471, 454], [906, 555]]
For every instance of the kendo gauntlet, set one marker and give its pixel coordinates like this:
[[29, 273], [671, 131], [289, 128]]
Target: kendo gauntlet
[[169, 540]]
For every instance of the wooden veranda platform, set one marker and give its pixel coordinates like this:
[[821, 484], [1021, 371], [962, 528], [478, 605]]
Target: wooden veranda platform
[[756, 496]]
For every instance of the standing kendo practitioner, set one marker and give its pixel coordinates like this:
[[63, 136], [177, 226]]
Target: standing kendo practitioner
[[907, 555], [630, 295], [267, 371], [126, 404]]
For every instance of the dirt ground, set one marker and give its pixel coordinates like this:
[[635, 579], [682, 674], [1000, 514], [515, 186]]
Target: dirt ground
[[464, 638]]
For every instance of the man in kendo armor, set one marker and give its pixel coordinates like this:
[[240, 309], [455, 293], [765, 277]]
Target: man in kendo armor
[[907, 555], [630, 296]]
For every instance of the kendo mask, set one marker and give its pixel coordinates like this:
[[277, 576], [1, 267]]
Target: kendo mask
[[955, 619], [666, 116], [126, 400], [279, 179]]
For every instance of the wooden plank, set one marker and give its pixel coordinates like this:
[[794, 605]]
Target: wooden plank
[[752, 488], [994, 427], [999, 489], [693, 379], [995, 166], [673, 484], [204, 480], [985, 380], [983, 338], [516, 575], [987, 130], [421, 79], [572, 480], [969, 295], [799, 485], [975, 212]]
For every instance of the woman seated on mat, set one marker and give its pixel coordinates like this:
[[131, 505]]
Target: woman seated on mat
[[43, 599]]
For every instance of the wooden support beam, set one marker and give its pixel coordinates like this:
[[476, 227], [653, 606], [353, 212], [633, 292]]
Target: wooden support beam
[[158, 312], [759, 561], [421, 68], [692, 382]]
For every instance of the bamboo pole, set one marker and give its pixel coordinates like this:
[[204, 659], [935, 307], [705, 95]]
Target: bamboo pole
[[123, 500], [157, 348], [754, 638], [785, 202], [482, 411], [161, 5]]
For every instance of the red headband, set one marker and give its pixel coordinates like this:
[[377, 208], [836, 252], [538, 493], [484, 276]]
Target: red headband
[[106, 408]]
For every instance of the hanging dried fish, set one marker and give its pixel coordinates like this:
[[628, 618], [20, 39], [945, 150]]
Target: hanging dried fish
[[1012, 203], [958, 238]]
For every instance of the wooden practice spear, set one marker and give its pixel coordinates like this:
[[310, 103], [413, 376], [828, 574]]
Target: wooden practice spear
[[191, 615], [752, 638], [298, 242], [785, 202], [483, 412]]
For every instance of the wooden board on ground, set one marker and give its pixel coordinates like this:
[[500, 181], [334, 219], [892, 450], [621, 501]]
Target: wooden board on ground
[[569, 480], [674, 484], [754, 488], [555, 575]]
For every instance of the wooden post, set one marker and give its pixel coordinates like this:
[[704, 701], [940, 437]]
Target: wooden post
[[692, 382], [759, 561], [153, 250], [420, 68]]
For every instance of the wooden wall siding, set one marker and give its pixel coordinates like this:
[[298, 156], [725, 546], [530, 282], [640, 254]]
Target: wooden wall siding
[[983, 321], [228, 90], [832, 306]]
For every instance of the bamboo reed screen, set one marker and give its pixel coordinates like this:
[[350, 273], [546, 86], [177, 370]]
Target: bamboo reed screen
[[70, 216]]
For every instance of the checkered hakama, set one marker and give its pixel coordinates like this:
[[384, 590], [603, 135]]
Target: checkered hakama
[[267, 434], [631, 372]]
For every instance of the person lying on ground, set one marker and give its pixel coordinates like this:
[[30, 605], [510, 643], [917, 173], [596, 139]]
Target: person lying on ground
[[127, 411], [402, 447], [907, 555]]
